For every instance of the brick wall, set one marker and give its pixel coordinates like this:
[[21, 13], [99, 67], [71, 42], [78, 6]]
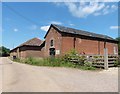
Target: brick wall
[[28, 51], [22, 52], [86, 46], [64, 43], [56, 37], [67, 44], [33, 52]]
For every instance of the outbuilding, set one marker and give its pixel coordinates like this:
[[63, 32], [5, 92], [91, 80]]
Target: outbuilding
[[59, 40], [31, 48]]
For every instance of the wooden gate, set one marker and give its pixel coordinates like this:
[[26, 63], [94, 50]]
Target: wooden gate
[[100, 60]]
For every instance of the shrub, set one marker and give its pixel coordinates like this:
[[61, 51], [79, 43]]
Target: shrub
[[32, 61], [16, 60], [28, 60], [88, 64], [82, 60], [87, 68], [116, 64], [55, 62], [73, 55]]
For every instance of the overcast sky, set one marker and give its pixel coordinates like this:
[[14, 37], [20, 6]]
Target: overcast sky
[[22, 21]]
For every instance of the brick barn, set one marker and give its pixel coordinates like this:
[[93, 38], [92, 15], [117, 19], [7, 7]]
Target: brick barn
[[59, 40], [31, 48]]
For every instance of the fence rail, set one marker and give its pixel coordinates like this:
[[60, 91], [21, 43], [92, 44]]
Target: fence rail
[[99, 60]]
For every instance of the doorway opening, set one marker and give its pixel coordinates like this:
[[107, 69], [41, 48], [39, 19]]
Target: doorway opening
[[52, 52]]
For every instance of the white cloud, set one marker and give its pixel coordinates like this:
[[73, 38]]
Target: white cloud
[[114, 27], [45, 28], [59, 0], [56, 1], [114, 7], [71, 24], [15, 29], [106, 10], [84, 9], [55, 22]]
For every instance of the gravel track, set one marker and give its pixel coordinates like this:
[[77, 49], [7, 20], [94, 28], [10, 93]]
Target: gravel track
[[19, 77]]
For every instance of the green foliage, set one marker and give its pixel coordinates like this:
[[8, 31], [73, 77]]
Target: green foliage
[[116, 64], [60, 61], [72, 52], [52, 62], [4, 51], [88, 64], [82, 60], [17, 60], [72, 55], [97, 56], [87, 68], [32, 61]]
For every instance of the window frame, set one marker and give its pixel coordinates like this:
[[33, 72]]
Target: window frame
[[51, 42]]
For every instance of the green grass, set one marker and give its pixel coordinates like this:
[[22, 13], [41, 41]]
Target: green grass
[[53, 62], [117, 64]]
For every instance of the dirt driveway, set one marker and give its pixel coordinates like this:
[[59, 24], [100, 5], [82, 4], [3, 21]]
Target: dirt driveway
[[26, 78]]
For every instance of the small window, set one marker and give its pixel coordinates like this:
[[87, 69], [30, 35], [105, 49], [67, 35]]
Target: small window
[[51, 43]]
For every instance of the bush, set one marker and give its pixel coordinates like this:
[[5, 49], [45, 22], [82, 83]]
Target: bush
[[88, 64], [43, 62], [82, 60], [116, 64], [87, 68], [17, 60], [32, 61], [73, 55], [54, 62], [4, 51]]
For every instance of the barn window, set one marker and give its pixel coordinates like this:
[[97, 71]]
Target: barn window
[[51, 43]]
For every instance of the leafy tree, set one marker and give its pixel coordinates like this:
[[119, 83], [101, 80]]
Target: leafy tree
[[4, 51]]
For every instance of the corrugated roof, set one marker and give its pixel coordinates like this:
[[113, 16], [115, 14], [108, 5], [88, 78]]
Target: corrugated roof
[[80, 32]]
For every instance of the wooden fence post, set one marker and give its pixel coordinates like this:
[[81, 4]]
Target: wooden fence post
[[105, 58]]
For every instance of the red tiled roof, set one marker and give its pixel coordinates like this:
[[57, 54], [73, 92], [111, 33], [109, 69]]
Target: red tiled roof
[[32, 42]]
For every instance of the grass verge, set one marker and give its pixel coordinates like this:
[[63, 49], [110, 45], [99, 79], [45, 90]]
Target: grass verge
[[53, 62]]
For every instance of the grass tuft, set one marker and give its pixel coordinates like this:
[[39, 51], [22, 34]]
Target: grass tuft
[[53, 62]]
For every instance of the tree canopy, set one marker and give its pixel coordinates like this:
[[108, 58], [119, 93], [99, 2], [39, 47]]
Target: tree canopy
[[4, 51]]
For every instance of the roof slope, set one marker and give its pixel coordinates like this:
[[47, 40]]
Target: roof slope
[[63, 29], [32, 42]]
